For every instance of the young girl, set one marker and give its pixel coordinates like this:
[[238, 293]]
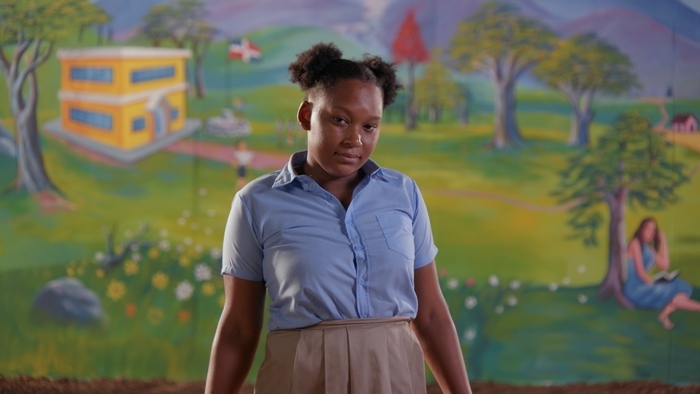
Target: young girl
[[344, 249]]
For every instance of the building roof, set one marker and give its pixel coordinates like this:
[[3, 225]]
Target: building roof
[[682, 118], [123, 52]]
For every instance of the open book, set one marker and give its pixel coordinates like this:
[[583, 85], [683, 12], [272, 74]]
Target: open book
[[665, 276]]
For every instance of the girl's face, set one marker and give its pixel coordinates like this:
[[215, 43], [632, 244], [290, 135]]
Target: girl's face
[[343, 125], [648, 232]]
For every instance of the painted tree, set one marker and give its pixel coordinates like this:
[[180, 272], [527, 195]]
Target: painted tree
[[90, 17], [580, 67], [29, 30], [436, 89], [630, 164], [408, 47], [184, 24], [497, 40]]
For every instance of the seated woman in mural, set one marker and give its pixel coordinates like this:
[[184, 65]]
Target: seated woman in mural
[[648, 248], [345, 251]]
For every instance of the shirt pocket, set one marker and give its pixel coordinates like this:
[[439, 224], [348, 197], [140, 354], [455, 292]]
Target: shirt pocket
[[397, 229]]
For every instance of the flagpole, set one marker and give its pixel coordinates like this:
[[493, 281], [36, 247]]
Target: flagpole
[[227, 77]]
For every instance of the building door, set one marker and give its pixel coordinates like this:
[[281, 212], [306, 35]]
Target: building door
[[161, 119]]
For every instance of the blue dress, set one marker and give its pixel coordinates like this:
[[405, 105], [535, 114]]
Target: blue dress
[[656, 295]]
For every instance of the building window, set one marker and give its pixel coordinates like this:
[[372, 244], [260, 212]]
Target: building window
[[138, 124], [93, 74], [174, 114], [150, 74], [103, 121]]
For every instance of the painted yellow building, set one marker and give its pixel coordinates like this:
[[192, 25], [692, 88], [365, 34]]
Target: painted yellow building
[[123, 98]]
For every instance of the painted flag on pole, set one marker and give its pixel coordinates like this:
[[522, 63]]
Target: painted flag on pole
[[242, 48]]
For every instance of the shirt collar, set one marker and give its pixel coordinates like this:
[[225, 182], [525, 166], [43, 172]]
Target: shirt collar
[[287, 174]]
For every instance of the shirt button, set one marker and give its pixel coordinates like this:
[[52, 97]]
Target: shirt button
[[357, 248]]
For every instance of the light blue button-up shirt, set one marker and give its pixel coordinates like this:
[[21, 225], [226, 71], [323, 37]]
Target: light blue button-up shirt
[[322, 262]]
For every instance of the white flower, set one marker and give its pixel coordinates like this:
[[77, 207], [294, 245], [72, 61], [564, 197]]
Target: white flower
[[515, 285], [136, 257], [582, 298], [188, 241], [553, 286], [581, 269], [186, 213], [181, 221], [512, 301], [164, 233], [452, 284], [184, 290], [202, 192], [128, 233], [493, 280], [134, 247], [470, 302], [202, 272], [164, 245], [180, 248], [215, 253], [207, 231], [211, 213], [499, 309], [99, 256], [198, 248], [194, 226], [565, 281], [469, 334]]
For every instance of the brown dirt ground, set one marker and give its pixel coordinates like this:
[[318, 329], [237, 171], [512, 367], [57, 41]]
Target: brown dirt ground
[[113, 386]]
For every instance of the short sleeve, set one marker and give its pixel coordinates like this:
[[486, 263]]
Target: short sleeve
[[242, 252], [425, 249]]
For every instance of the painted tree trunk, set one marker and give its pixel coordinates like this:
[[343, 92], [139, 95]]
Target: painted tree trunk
[[411, 114], [617, 251], [199, 78], [506, 131], [581, 118], [31, 172]]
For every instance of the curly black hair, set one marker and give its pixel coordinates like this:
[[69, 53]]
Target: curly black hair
[[323, 65]]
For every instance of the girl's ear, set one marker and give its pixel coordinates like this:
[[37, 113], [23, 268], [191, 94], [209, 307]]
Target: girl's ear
[[304, 115]]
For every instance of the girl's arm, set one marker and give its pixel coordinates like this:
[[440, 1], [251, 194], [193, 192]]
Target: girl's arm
[[635, 252], [437, 335], [237, 335], [661, 260]]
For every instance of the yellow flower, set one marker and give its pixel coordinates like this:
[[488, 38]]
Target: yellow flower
[[155, 315], [70, 271], [100, 273], [185, 261], [153, 252], [130, 267], [160, 280], [116, 290], [208, 289]]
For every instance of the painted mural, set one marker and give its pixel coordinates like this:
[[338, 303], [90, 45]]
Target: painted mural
[[556, 144]]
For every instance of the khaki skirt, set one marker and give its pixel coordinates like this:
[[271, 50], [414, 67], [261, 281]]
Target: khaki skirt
[[359, 356]]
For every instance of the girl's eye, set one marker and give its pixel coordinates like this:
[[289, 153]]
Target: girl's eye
[[339, 120], [370, 127]]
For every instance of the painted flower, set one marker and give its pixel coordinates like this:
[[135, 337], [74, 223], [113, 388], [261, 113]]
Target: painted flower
[[100, 273], [116, 290], [515, 285], [202, 191], [208, 289], [553, 286], [164, 245], [207, 230], [452, 284], [153, 253], [470, 302], [499, 309], [582, 299], [99, 256], [198, 248], [215, 253], [581, 269], [512, 301], [194, 226], [184, 291], [185, 260], [470, 282], [186, 213], [136, 257], [131, 267], [211, 213], [181, 221], [188, 241], [442, 272], [469, 334], [180, 248], [202, 272], [493, 280], [130, 309], [70, 270], [183, 316], [164, 233], [222, 300], [155, 315], [159, 280], [565, 281]]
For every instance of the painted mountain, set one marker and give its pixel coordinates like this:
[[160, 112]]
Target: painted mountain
[[661, 37]]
